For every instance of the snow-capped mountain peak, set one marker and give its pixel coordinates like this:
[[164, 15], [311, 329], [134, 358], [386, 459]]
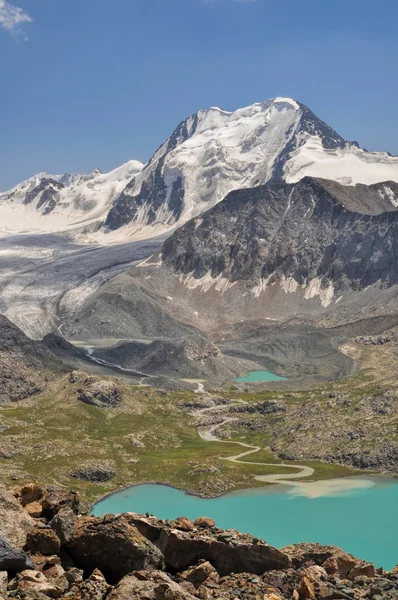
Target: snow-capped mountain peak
[[214, 152], [209, 154]]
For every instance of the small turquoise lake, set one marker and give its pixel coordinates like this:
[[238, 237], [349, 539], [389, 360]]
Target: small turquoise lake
[[258, 376], [362, 521]]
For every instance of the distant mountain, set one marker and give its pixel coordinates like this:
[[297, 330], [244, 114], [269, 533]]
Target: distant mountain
[[209, 155], [52, 203]]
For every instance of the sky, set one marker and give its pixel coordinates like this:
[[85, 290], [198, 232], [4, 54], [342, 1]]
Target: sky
[[94, 83]]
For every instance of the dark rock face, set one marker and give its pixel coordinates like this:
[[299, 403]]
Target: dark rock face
[[57, 500], [154, 193], [268, 407], [97, 474], [300, 231], [12, 560], [46, 194]]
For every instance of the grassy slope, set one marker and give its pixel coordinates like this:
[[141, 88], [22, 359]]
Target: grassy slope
[[54, 433]]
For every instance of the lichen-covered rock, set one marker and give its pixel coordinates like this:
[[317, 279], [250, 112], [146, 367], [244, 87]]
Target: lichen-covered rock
[[29, 493], [34, 510], [184, 524], [43, 540], [63, 524], [14, 520], [149, 585], [94, 588], [201, 573], [3, 582], [38, 582], [204, 522], [112, 545]]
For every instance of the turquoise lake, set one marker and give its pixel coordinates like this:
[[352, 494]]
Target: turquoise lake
[[257, 376], [363, 522]]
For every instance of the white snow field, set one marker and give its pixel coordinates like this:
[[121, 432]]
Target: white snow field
[[349, 165], [85, 200]]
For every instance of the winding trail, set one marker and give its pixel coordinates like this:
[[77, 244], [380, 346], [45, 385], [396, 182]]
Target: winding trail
[[207, 434]]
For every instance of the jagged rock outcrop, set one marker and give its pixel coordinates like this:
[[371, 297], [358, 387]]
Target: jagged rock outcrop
[[102, 394], [228, 553], [97, 473]]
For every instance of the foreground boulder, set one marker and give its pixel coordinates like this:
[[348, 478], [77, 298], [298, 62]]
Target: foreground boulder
[[112, 545], [15, 522], [38, 583], [43, 540], [93, 588], [332, 559], [56, 500], [125, 558], [13, 560], [227, 551], [152, 585], [63, 524]]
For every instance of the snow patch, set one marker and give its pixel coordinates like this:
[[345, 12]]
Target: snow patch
[[205, 283], [289, 285], [314, 288]]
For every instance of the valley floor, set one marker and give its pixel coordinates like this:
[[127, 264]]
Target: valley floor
[[337, 429]]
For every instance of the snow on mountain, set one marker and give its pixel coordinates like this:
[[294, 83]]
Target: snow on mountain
[[51, 203], [214, 152], [348, 165], [208, 155]]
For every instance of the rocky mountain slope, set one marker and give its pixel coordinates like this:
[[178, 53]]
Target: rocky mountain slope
[[296, 236], [24, 364], [131, 556], [311, 250]]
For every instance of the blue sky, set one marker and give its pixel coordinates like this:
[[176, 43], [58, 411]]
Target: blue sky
[[93, 83]]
